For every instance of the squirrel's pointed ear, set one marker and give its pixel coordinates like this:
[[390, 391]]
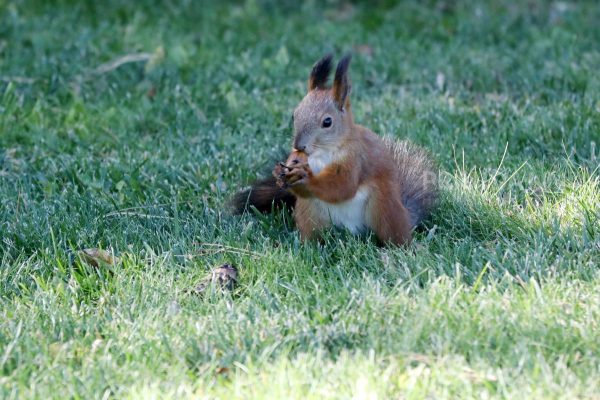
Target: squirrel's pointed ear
[[320, 73], [341, 83]]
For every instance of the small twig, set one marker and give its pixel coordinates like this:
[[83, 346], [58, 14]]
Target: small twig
[[221, 248], [217, 251], [116, 63], [108, 67], [124, 210], [134, 214]]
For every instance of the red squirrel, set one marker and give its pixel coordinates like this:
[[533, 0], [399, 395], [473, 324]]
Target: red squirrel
[[342, 174]]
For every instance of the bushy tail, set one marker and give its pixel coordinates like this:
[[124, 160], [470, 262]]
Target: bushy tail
[[418, 178], [263, 194]]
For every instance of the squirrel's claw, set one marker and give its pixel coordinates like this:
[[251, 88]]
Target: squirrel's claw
[[294, 175], [279, 173], [298, 175]]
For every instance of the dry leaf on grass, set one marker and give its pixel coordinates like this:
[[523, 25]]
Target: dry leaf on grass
[[223, 278], [96, 257]]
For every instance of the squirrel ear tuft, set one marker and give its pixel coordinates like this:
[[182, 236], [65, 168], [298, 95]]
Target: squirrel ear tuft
[[320, 73], [341, 82]]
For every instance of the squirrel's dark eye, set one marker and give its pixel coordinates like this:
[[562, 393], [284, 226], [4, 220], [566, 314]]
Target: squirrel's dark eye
[[327, 122]]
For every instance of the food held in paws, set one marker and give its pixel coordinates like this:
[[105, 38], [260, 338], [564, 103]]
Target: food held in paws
[[296, 158]]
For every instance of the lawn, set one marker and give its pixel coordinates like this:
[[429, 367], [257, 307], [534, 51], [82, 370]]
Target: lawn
[[127, 127]]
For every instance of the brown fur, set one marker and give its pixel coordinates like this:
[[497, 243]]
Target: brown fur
[[309, 223], [387, 216], [386, 187], [368, 163], [264, 195]]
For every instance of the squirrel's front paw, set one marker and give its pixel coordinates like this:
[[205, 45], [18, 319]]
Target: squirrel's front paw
[[279, 173], [289, 176], [297, 175], [297, 180]]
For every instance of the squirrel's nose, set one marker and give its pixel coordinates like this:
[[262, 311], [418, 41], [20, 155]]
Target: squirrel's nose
[[300, 142]]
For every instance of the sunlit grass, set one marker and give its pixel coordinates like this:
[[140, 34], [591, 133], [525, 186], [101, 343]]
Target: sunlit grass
[[496, 298]]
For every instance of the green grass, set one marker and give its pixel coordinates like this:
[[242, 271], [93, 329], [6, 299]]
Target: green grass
[[498, 297]]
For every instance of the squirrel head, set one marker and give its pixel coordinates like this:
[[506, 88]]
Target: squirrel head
[[323, 118]]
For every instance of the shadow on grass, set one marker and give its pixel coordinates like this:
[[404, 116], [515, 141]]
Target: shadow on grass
[[482, 229]]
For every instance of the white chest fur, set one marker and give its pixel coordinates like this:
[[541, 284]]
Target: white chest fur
[[350, 214], [319, 160]]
